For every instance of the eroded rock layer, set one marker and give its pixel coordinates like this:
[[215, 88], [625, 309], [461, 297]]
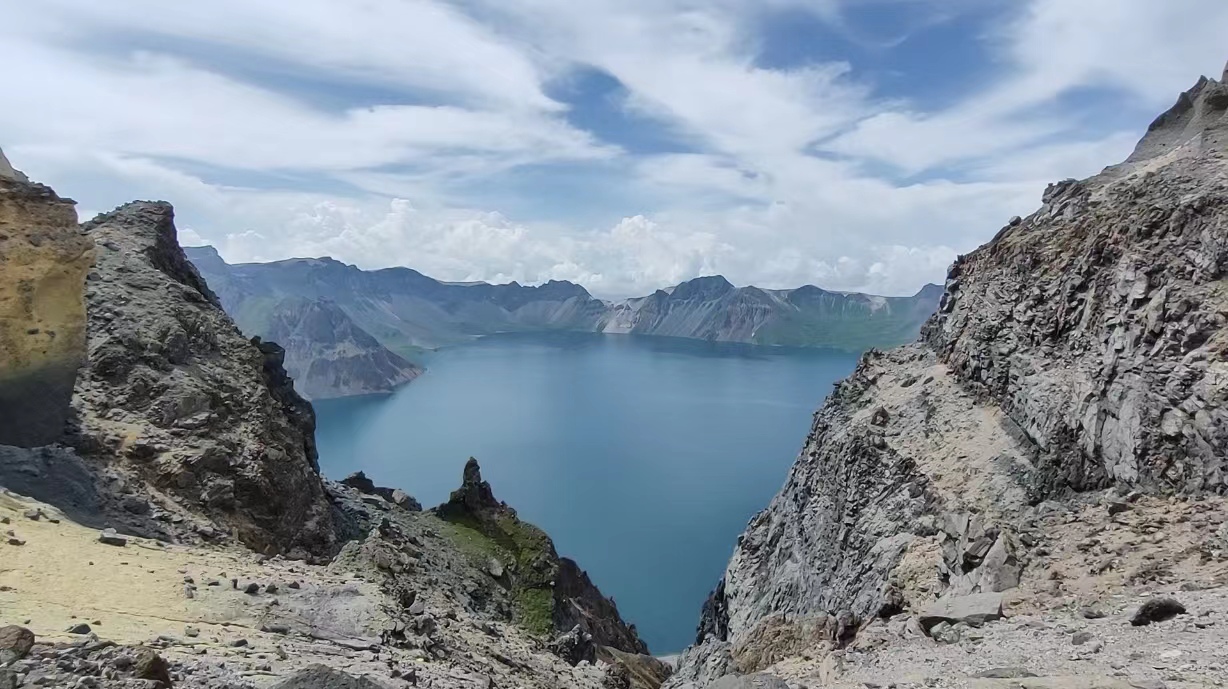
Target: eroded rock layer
[[44, 259]]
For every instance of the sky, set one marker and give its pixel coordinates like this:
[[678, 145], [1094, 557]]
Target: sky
[[623, 144]]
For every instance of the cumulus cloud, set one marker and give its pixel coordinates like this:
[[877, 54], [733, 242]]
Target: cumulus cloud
[[392, 132]]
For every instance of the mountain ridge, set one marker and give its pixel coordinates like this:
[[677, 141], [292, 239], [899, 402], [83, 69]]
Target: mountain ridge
[[406, 312]]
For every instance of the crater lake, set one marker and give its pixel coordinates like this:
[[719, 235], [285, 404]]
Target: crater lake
[[642, 457]]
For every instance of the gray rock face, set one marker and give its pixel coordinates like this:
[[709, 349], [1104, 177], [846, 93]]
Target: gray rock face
[[173, 396], [1083, 347], [1097, 323]]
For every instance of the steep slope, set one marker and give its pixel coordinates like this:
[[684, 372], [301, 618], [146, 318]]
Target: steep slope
[[1082, 349], [184, 414], [327, 355], [43, 262]]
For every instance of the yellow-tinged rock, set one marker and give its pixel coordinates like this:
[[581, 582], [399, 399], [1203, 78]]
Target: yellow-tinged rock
[[44, 260]]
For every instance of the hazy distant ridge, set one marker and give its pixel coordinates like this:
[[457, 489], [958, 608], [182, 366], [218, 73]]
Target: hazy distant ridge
[[405, 311]]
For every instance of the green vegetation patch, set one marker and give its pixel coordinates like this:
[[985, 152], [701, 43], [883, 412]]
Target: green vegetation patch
[[510, 540], [535, 610]]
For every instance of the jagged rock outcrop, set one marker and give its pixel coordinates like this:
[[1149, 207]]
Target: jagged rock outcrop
[[44, 259], [359, 481], [1097, 323], [1083, 348], [173, 400], [553, 594]]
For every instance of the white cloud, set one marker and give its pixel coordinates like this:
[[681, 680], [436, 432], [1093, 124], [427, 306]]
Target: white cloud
[[798, 175]]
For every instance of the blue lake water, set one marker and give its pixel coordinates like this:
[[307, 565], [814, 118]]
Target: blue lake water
[[642, 457]]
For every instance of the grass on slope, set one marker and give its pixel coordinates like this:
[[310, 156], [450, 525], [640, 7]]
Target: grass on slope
[[508, 539]]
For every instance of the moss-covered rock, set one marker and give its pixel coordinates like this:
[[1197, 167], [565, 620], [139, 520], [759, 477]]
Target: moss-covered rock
[[551, 594]]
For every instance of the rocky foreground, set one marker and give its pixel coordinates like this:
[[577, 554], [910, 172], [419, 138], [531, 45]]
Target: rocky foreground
[[1034, 494], [416, 601], [164, 522]]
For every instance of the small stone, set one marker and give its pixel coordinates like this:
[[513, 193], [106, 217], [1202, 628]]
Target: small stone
[[1117, 507], [238, 643], [33, 515], [293, 585], [110, 537], [271, 589], [1081, 638], [252, 589], [1148, 684], [1091, 612], [495, 568], [79, 628], [417, 608], [188, 580], [14, 540], [1157, 610], [191, 632]]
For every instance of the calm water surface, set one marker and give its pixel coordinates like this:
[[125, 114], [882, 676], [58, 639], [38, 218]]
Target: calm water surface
[[642, 457]]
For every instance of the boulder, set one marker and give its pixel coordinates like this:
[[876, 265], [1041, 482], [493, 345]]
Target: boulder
[[15, 643], [1157, 610], [974, 610], [574, 646], [110, 537], [149, 665]]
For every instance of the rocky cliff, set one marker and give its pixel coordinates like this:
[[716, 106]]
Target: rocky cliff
[[180, 411], [44, 259], [1058, 439]]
